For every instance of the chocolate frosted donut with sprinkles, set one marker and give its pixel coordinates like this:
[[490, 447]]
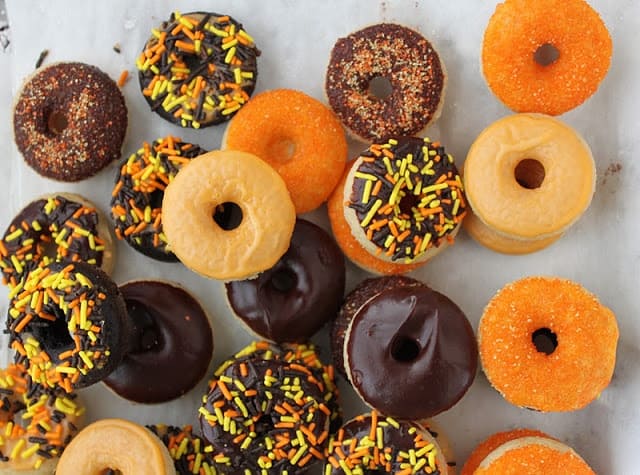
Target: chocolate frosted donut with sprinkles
[[69, 121], [191, 454], [136, 199], [198, 69], [385, 80]]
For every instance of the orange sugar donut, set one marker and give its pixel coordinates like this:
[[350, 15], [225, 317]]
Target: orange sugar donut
[[298, 136], [540, 332], [228, 215], [493, 442], [527, 178], [532, 456], [545, 56]]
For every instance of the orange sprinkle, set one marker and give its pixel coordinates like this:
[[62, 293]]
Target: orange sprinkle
[[124, 75]]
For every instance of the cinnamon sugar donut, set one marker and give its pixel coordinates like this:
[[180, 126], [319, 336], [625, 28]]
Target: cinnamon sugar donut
[[402, 57], [298, 136], [545, 56], [539, 332]]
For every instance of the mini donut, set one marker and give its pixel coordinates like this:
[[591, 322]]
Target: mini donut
[[190, 453], [402, 57], [265, 415], [36, 424], [404, 340], [136, 199], [116, 445], [78, 229], [532, 456], [404, 200], [539, 331], [172, 343], [528, 178], [548, 56], [373, 443], [69, 121], [69, 325], [296, 297], [198, 69], [493, 442], [228, 247], [298, 136]]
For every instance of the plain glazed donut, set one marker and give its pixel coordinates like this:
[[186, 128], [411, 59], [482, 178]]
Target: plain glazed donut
[[136, 199], [116, 445], [546, 56], [198, 69], [68, 324], [298, 136], [406, 60], [36, 424], [538, 332], [69, 121], [78, 229], [230, 179], [296, 297], [527, 178]]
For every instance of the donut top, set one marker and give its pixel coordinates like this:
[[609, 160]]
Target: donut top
[[407, 196], [56, 323], [70, 121], [410, 352], [198, 69], [136, 199], [293, 299], [71, 226], [191, 454]]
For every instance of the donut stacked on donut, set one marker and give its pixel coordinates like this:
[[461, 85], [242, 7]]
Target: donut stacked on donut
[[136, 199], [198, 69], [69, 121]]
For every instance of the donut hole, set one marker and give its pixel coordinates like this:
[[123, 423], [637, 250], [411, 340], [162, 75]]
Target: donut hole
[[407, 203], [56, 122], [54, 336], [111, 471], [546, 54], [283, 280], [544, 340], [193, 62], [529, 173], [264, 425], [380, 88], [147, 336], [282, 149], [228, 215], [404, 349]]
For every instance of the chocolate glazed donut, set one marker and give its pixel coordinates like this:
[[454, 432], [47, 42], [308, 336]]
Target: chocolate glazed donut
[[409, 351], [171, 343], [293, 299]]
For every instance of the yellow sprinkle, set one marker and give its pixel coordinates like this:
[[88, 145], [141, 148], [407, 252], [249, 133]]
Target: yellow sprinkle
[[230, 54], [14, 235], [17, 448], [66, 370], [367, 219]]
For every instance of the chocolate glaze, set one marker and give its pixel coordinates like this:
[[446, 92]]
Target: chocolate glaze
[[411, 352], [293, 299], [171, 343]]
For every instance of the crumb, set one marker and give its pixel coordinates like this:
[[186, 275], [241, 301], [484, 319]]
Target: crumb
[[611, 170], [5, 41], [117, 48], [41, 58]]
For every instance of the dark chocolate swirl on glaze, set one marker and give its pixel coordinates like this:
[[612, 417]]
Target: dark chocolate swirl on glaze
[[410, 352], [400, 55], [171, 343], [69, 121], [303, 291]]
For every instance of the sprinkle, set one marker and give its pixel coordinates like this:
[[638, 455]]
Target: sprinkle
[[124, 76], [43, 55]]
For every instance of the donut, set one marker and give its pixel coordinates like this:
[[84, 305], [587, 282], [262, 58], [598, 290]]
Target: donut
[[373, 443], [69, 121], [136, 199], [539, 331], [531, 456], [115, 446], [404, 200], [298, 136], [188, 451], [548, 57], [69, 325], [198, 69], [36, 424], [527, 178], [172, 343], [228, 215], [299, 294], [69, 223], [401, 340], [493, 442], [266, 415], [397, 57]]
